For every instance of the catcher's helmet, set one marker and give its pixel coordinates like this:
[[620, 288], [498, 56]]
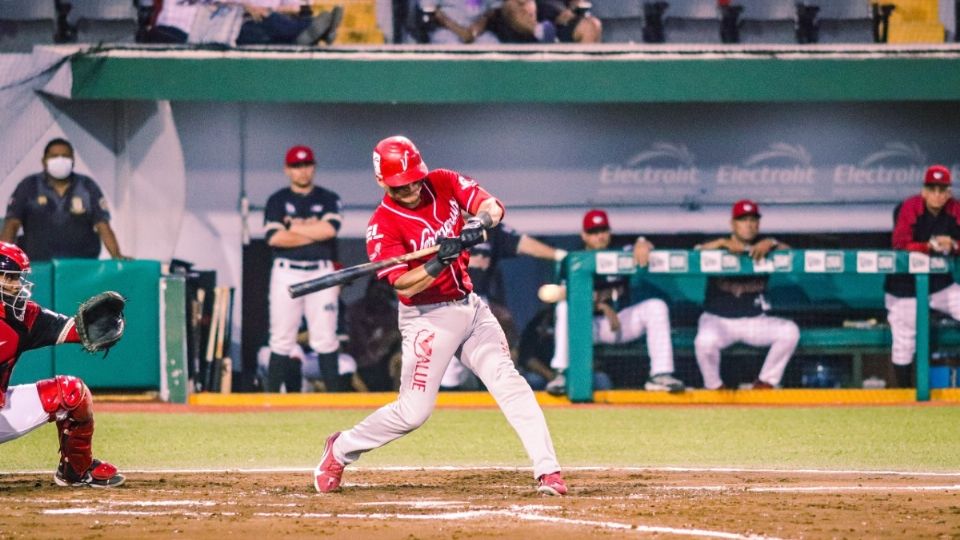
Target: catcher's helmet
[[397, 162], [15, 290]]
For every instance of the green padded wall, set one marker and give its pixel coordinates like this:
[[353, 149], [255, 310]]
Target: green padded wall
[[135, 361], [38, 363]]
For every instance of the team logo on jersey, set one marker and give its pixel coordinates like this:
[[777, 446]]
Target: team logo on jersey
[[317, 208], [423, 345], [290, 209], [465, 183], [375, 254]]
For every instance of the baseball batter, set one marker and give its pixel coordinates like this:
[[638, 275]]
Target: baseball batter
[[302, 222], [928, 223], [24, 325], [438, 312], [735, 307], [617, 320]]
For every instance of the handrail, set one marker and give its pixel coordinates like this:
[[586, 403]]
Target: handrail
[[580, 266]]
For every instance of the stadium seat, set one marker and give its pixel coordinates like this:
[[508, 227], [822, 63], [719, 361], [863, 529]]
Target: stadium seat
[[692, 21], [844, 21], [767, 21], [24, 24], [622, 20]]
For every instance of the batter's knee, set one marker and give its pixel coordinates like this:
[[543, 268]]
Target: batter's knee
[[410, 419], [66, 394]]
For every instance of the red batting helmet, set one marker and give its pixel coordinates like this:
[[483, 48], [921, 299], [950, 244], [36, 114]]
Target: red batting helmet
[[15, 290], [397, 162]]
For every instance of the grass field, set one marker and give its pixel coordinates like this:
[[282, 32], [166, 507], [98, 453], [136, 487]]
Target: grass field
[[903, 438]]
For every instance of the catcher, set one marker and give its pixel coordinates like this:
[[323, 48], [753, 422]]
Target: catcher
[[24, 325]]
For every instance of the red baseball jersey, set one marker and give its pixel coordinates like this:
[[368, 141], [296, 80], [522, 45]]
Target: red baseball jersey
[[39, 328], [395, 230]]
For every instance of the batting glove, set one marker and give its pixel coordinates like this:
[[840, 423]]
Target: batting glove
[[450, 249]]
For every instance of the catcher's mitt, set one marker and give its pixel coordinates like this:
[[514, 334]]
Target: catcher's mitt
[[100, 321]]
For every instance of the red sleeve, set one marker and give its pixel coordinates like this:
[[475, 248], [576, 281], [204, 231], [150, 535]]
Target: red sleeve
[[465, 190], [384, 243], [903, 231]]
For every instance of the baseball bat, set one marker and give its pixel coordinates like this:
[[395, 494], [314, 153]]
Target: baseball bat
[[341, 277]]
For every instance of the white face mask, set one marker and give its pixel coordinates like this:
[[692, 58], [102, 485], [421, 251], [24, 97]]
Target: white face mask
[[59, 167]]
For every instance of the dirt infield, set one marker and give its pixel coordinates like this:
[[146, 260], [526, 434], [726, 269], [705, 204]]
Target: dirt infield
[[489, 503]]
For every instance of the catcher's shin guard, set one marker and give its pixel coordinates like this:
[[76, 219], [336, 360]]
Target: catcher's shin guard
[[69, 403]]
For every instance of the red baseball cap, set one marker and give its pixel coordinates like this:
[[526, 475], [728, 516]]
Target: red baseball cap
[[745, 207], [596, 220], [937, 174], [300, 154]]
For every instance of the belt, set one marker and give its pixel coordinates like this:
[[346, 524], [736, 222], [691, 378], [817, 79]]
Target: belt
[[301, 265]]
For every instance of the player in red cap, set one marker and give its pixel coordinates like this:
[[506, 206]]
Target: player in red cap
[[617, 319], [735, 308], [66, 400], [302, 221], [439, 313], [928, 223]]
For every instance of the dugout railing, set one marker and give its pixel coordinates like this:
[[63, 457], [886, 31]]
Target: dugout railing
[[834, 283]]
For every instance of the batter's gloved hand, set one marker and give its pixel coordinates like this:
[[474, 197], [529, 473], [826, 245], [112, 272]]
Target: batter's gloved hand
[[100, 321], [473, 232], [449, 251]]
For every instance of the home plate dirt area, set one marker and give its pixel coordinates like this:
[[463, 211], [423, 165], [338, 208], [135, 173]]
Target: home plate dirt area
[[489, 503]]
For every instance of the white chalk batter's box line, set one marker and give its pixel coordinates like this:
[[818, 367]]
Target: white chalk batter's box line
[[452, 468], [521, 512]]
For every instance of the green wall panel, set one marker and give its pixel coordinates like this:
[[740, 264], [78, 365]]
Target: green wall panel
[[38, 363], [534, 76], [135, 361]]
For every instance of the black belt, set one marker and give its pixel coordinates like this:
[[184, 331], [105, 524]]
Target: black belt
[[286, 263]]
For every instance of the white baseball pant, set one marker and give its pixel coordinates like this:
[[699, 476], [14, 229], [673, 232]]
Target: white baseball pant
[[22, 412], [650, 316], [902, 316], [715, 333], [319, 308], [431, 335]]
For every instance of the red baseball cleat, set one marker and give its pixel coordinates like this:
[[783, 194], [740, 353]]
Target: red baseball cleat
[[100, 475], [326, 477], [552, 484]]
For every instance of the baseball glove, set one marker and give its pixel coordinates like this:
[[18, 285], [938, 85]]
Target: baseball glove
[[100, 321]]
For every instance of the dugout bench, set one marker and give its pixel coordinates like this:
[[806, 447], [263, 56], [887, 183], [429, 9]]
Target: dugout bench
[[819, 289]]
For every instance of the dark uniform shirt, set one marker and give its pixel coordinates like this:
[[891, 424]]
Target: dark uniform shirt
[[736, 296], [55, 226], [320, 203], [914, 225], [723, 299], [502, 243], [39, 328]]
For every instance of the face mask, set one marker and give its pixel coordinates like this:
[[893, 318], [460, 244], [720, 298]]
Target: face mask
[[59, 167]]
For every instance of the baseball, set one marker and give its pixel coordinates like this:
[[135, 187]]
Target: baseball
[[552, 292]]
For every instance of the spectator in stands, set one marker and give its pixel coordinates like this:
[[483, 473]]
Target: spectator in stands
[[546, 21], [173, 21], [63, 214], [458, 21], [926, 223], [503, 242], [277, 22], [265, 22], [537, 344], [617, 319], [735, 309], [572, 20], [374, 337]]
